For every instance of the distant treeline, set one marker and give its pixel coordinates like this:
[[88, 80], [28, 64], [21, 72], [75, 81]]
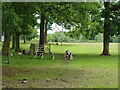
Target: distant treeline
[[62, 37]]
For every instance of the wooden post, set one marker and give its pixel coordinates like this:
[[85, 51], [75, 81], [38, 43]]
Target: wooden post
[[41, 49], [8, 58], [49, 48], [32, 49]]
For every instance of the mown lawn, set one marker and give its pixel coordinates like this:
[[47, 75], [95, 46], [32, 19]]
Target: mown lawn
[[87, 69]]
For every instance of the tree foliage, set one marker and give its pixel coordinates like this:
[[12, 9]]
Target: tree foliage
[[31, 33], [10, 19], [86, 19]]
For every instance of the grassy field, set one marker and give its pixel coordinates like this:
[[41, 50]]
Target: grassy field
[[87, 69]]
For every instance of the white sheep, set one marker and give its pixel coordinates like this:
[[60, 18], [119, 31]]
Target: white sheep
[[52, 57], [10, 54], [41, 55], [19, 53]]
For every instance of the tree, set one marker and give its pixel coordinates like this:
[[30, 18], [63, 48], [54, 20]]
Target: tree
[[33, 34], [48, 24], [67, 15], [43, 11], [10, 21], [49, 9], [15, 20], [28, 18], [111, 14], [24, 39], [114, 18], [13, 42], [41, 42], [86, 20], [51, 38], [106, 29]]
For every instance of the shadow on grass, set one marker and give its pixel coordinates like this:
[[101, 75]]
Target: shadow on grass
[[90, 55], [57, 77]]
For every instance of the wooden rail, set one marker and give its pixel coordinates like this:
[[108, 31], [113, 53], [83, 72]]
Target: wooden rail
[[42, 48]]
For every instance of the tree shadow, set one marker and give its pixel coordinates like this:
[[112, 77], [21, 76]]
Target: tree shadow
[[87, 56]]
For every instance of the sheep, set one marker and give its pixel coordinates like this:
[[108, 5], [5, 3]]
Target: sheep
[[52, 57], [68, 55], [41, 55], [10, 54], [26, 52], [19, 53]]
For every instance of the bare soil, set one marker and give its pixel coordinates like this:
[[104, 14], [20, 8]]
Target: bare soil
[[42, 77]]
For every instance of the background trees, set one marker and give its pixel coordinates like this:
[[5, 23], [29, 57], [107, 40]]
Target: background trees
[[10, 21], [49, 13], [15, 22], [27, 17], [83, 19], [31, 33]]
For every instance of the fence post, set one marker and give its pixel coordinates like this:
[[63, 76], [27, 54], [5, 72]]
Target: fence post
[[49, 48], [32, 49], [8, 58]]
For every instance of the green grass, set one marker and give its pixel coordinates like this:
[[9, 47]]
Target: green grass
[[87, 69]]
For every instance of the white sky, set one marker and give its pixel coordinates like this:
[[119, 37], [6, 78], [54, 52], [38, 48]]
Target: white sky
[[55, 28]]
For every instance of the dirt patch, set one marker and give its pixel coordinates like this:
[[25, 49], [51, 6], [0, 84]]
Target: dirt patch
[[9, 71], [44, 77]]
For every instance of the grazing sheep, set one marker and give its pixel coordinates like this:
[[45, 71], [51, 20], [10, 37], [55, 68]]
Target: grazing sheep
[[10, 54], [57, 43], [26, 52], [36, 54], [41, 55], [68, 55], [52, 57], [19, 53]]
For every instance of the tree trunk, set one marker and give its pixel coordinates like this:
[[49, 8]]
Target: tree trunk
[[17, 43], [106, 30], [6, 45], [41, 42], [46, 41], [105, 45], [13, 42], [24, 39]]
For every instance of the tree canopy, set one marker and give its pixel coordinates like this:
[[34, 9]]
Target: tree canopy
[[84, 18]]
